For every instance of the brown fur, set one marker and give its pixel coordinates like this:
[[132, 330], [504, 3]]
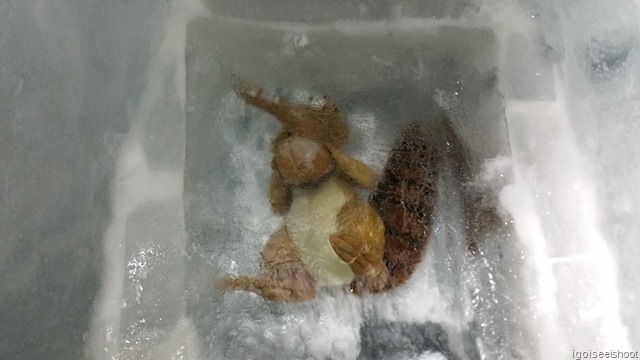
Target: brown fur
[[405, 200], [382, 240], [323, 124], [359, 236], [360, 240], [285, 277]]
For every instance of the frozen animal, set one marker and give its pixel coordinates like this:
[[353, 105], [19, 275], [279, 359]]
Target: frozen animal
[[331, 236]]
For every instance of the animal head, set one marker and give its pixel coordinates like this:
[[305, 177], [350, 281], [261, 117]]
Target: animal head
[[322, 123], [301, 149]]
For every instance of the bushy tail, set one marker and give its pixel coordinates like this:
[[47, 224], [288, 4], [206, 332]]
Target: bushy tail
[[405, 201]]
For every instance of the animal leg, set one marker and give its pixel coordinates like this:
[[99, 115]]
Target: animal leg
[[285, 277], [359, 242], [254, 96], [289, 115], [356, 170], [279, 192]]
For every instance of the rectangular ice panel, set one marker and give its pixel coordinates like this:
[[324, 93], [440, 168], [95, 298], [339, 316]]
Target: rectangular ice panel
[[383, 76]]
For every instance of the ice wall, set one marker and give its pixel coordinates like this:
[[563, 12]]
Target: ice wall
[[559, 144], [70, 73], [600, 61]]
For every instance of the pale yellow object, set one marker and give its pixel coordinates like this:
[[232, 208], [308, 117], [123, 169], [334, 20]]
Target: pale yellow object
[[310, 222]]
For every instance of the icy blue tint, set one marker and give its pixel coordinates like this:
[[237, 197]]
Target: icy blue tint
[[131, 177]]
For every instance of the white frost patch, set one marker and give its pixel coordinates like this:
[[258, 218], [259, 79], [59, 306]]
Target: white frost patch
[[134, 185], [183, 343], [431, 356]]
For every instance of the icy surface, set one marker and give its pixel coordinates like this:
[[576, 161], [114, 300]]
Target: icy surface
[[130, 179], [69, 71], [382, 85], [140, 310], [601, 66]]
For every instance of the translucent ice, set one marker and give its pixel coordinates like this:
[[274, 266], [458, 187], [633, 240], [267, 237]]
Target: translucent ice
[[131, 177]]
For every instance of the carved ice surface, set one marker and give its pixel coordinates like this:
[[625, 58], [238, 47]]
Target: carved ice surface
[[131, 178]]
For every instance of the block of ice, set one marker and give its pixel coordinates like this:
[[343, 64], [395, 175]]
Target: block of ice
[[95, 192], [384, 75]]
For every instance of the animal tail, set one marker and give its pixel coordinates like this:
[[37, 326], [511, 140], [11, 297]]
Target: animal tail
[[405, 200]]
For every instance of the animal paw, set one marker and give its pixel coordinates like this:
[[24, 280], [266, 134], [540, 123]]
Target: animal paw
[[373, 283], [348, 247], [291, 286], [364, 263], [246, 91]]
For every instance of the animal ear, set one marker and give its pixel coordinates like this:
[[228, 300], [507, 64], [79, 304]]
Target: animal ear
[[336, 131]]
